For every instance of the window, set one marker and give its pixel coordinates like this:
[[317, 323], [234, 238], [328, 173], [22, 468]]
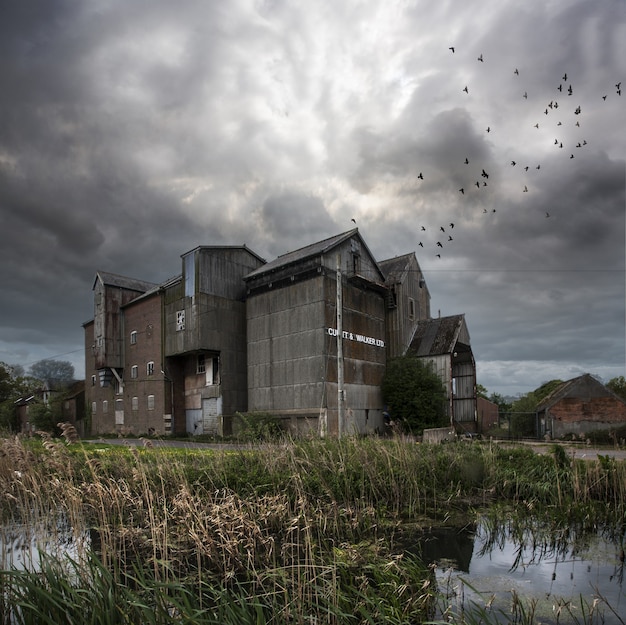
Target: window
[[133, 337], [150, 368], [356, 263], [134, 403], [93, 380], [411, 308], [93, 407], [150, 402], [201, 365], [180, 320], [134, 372], [105, 406], [212, 371]]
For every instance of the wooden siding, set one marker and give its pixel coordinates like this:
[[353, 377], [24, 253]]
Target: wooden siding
[[400, 323]]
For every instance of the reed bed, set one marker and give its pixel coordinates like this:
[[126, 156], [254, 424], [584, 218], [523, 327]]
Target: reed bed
[[304, 531]]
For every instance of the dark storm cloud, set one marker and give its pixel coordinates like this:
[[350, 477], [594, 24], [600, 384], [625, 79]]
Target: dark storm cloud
[[132, 132]]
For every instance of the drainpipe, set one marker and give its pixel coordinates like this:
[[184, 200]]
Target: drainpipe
[[340, 391]]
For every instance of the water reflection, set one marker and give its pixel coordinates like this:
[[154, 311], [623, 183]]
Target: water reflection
[[22, 546], [530, 557]]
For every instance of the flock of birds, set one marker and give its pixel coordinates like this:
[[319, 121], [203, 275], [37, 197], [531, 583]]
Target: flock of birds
[[557, 121]]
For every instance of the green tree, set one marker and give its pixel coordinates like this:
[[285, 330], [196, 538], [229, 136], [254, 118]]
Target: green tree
[[414, 393], [481, 391], [13, 385], [59, 372], [618, 386], [530, 401]]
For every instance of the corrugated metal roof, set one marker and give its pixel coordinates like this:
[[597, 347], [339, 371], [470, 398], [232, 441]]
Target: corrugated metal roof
[[309, 251], [123, 282], [436, 336]]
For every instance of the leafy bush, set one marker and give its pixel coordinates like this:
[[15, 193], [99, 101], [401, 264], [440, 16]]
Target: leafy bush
[[414, 394], [258, 426]]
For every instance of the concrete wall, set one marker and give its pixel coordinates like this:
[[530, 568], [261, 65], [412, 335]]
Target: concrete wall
[[292, 353]]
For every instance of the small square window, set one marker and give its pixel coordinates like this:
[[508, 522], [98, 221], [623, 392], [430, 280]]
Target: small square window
[[133, 337], [150, 368], [134, 372]]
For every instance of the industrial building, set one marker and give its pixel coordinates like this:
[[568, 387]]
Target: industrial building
[[304, 337]]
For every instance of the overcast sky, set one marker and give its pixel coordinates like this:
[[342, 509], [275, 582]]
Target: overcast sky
[[131, 132]]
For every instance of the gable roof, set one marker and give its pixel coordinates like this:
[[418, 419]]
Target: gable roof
[[310, 251], [565, 388], [123, 282], [395, 269], [434, 337]]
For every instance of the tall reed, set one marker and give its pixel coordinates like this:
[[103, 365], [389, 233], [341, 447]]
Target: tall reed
[[311, 527]]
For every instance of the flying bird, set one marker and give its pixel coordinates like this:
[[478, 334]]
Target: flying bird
[[480, 58], [438, 255], [485, 174], [560, 87], [570, 90], [564, 77], [421, 176], [449, 238], [421, 244], [442, 229], [525, 189], [424, 229], [536, 125], [451, 225], [488, 129], [513, 163], [462, 191], [439, 244], [516, 72], [547, 215], [467, 161], [618, 85], [526, 95], [478, 184], [451, 48], [466, 90], [354, 220]]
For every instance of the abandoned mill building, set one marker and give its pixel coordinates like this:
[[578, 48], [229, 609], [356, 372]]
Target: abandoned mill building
[[234, 333]]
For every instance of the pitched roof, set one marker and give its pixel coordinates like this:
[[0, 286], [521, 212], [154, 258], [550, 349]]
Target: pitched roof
[[396, 268], [436, 336], [563, 389], [123, 282], [309, 251]]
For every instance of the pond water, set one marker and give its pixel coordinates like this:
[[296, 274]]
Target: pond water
[[562, 575], [22, 546]]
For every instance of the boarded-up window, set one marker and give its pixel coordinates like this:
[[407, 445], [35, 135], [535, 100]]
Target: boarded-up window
[[150, 402], [180, 320]]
